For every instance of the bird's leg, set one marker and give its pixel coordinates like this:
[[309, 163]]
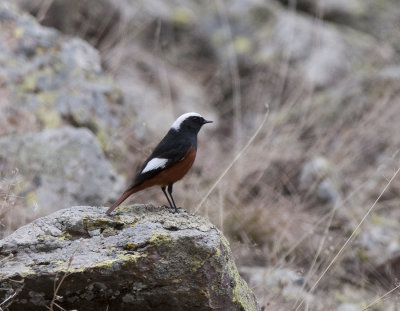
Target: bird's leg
[[170, 194], [169, 201]]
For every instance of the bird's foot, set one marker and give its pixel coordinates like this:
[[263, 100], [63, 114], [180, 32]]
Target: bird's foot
[[177, 210], [173, 209]]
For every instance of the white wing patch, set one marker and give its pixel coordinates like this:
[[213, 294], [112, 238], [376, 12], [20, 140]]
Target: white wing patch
[[177, 124], [155, 164]]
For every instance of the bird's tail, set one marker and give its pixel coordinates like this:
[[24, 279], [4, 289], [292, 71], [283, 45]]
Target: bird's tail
[[123, 197]]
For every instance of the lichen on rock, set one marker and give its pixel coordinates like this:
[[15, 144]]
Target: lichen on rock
[[144, 258]]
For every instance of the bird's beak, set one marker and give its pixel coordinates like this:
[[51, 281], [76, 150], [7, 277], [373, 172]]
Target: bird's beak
[[206, 121]]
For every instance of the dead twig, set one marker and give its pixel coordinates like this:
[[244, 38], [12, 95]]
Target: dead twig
[[57, 288]]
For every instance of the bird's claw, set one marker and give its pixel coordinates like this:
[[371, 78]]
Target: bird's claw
[[176, 210], [173, 209]]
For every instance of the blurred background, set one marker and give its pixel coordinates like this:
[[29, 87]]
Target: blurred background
[[305, 98]]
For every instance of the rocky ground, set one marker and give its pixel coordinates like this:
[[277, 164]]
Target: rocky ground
[[112, 75]]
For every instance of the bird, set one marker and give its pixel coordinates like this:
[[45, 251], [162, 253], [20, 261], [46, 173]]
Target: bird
[[170, 161]]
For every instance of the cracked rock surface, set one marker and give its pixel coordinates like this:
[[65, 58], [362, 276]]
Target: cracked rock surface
[[141, 258]]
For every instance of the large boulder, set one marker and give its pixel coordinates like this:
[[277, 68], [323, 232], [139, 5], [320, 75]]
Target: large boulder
[[148, 83], [58, 168], [91, 19], [370, 16], [144, 258], [48, 80]]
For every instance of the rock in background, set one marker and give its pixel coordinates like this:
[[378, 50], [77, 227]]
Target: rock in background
[[48, 83], [51, 80], [59, 168]]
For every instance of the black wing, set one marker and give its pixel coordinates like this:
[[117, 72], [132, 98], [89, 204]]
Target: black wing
[[171, 149]]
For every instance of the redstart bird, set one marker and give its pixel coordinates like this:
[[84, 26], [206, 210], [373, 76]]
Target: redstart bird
[[170, 160]]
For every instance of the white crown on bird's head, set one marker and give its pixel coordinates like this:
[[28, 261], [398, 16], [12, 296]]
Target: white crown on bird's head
[[177, 124]]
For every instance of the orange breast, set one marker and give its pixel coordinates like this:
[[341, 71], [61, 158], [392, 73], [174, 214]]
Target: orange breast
[[172, 174]]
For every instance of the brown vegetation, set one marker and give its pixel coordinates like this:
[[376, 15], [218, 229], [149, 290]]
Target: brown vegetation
[[272, 216]]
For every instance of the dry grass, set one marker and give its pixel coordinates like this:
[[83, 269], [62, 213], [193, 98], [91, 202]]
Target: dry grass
[[12, 212], [246, 178]]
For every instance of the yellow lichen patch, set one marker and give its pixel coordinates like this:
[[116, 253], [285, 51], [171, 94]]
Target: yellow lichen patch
[[79, 114], [102, 137], [62, 266], [49, 117], [46, 112], [217, 252], [47, 100], [126, 215], [26, 272], [123, 208], [196, 264], [242, 45], [31, 198], [241, 290], [161, 238], [131, 257], [59, 266], [182, 16], [104, 264], [102, 223], [64, 236], [29, 83], [43, 237], [19, 32]]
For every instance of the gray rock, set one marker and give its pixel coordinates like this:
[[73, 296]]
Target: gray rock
[[94, 24], [319, 177], [378, 245], [59, 168], [53, 80], [369, 16], [145, 258], [273, 278], [288, 283], [321, 53], [148, 84]]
